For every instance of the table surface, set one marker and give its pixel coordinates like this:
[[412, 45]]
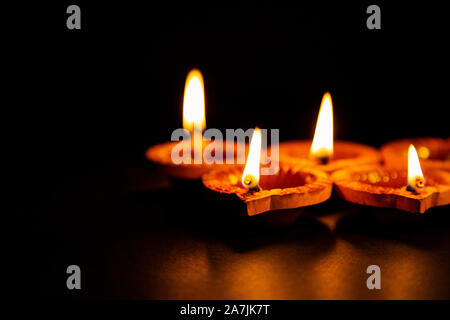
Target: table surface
[[136, 235]]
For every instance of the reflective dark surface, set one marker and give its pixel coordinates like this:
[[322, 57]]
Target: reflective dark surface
[[136, 235]]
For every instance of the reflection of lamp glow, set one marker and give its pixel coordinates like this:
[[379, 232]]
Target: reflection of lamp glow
[[322, 145], [416, 180], [250, 177], [423, 152]]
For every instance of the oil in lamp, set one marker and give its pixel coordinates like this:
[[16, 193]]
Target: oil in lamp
[[192, 149], [291, 187], [434, 153], [323, 153], [381, 186]]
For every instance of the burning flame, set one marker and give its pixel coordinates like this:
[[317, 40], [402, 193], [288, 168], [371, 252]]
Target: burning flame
[[415, 176], [322, 145], [194, 102], [250, 177]]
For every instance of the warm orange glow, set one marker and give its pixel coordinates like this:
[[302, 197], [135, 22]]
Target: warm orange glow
[[424, 152], [194, 102], [250, 177], [322, 145], [415, 175]]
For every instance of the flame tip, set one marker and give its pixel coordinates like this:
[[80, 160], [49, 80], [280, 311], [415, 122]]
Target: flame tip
[[194, 70]]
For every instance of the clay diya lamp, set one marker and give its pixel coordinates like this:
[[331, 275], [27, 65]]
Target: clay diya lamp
[[434, 153], [185, 159], [323, 153], [380, 186], [274, 200]]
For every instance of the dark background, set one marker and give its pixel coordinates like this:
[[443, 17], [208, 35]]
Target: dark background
[[93, 96], [88, 103]]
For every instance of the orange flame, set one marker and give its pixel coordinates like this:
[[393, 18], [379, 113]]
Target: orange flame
[[322, 145], [250, 177], [415, 176], [194, 102]]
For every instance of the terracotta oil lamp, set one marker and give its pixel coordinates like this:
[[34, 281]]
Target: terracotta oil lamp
[[270, 195], [322, 152], [409, 190], [434, 153], [191, 150]]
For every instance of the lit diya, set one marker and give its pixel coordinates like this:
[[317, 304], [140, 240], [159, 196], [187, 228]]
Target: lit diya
[[288, 188], [379, 186], [195, 154], [323, 153], [434, 153]]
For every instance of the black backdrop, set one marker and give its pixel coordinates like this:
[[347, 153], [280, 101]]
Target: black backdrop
[[98, 97], [92, 96]]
